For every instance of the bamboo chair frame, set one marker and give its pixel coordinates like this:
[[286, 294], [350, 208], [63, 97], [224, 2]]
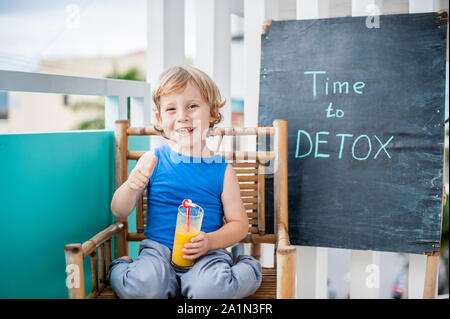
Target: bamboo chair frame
[[278, 281]]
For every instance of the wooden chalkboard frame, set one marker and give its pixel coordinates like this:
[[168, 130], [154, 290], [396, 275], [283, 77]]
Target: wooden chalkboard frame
[[432, 267], [440, 16]]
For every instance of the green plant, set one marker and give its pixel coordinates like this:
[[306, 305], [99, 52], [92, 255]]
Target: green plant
[[98, 122]]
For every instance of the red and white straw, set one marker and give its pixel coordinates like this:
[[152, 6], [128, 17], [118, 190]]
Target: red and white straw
[[187, 203]]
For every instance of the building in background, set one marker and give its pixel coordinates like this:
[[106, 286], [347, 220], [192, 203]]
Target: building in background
[[33, 112]]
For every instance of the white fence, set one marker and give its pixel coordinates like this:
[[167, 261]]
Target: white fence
[[115, 92]]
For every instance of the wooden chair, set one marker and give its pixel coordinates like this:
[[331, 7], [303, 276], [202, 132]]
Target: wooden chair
[[278, 282]]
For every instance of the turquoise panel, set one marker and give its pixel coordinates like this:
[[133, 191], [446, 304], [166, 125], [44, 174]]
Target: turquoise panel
[[136, 143], [55, 189]]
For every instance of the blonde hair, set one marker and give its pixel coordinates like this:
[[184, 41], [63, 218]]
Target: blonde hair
[[176, 78]]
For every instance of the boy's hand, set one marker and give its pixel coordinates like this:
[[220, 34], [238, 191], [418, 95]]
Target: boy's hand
[[198, 246], [141, 173]]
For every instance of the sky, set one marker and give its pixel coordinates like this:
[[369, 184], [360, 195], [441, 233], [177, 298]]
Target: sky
[[30, 30]]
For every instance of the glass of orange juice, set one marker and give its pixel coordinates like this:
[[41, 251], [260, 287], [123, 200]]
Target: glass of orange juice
[[185, 230]]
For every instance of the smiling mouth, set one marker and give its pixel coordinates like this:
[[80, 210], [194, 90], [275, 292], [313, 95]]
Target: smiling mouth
[[185, 131]]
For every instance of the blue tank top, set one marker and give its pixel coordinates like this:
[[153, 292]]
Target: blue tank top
[[177, 177]]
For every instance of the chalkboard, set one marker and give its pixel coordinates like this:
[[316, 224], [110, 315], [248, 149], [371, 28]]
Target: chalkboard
[[366, 128]]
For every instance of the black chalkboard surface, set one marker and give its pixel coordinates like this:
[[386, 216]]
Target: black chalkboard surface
[[366, 128]]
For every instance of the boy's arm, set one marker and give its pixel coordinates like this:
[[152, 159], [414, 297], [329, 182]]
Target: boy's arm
[[124, 200], [127, 195], [236, 227]]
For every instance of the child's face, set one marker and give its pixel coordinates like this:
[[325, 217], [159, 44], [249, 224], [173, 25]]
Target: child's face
[[184, 117]]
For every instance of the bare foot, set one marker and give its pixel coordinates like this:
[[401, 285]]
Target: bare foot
[[127, 258]]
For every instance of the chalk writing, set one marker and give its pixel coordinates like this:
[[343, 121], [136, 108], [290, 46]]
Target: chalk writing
[[337, 86], [339, 113], [362, 143]]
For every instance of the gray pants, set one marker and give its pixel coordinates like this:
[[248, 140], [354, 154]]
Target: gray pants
[[214, 275]]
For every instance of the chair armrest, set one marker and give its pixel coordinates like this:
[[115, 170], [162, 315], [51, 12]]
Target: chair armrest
[[286, 258], [75, 253], [91, 244]]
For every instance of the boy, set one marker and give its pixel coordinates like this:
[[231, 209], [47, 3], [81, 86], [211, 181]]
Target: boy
[[188, 104]]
